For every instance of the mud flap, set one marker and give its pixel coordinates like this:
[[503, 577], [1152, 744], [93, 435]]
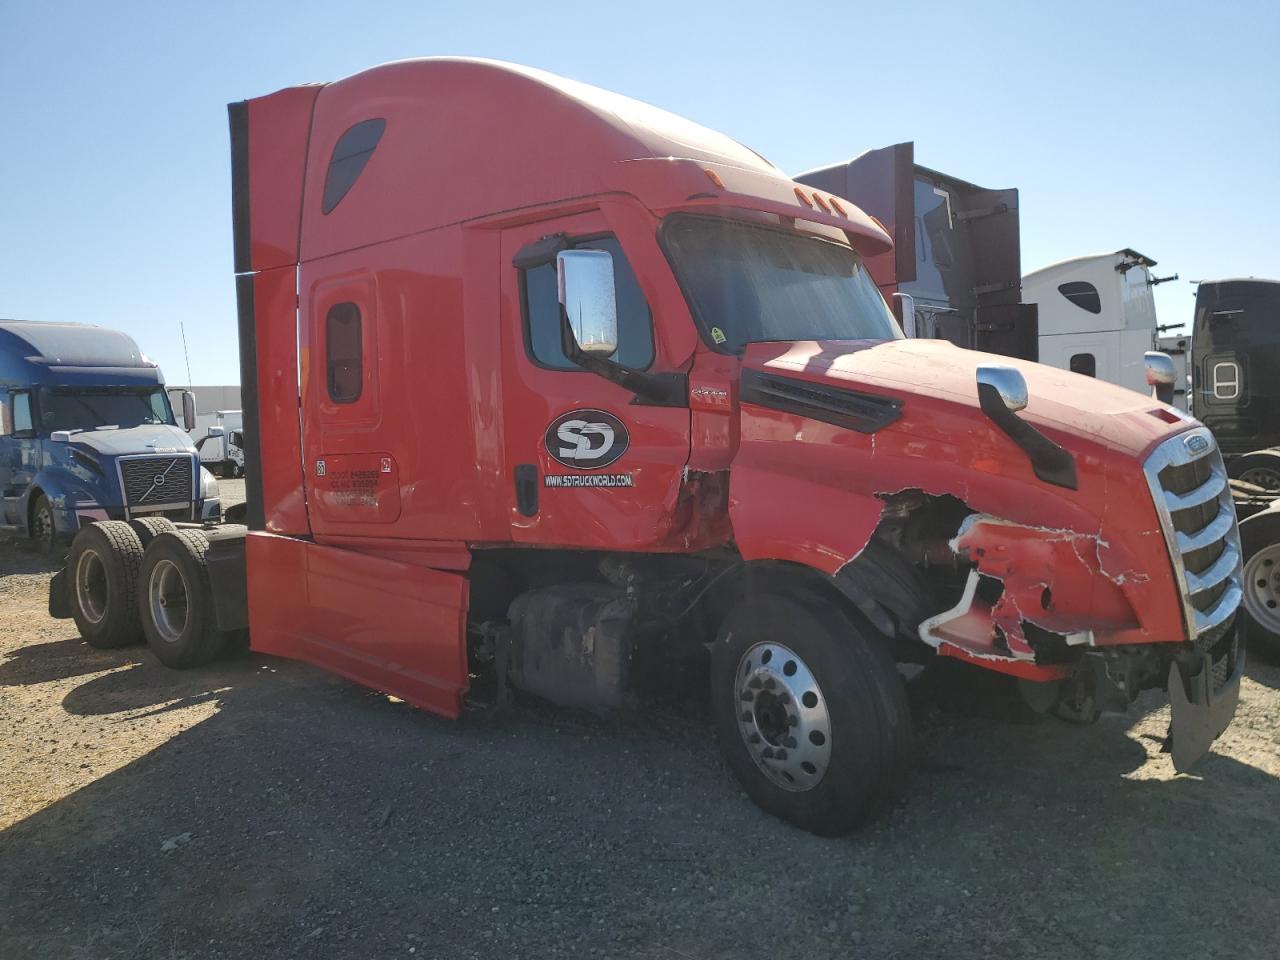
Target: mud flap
[[59, 596], [1199, 719]]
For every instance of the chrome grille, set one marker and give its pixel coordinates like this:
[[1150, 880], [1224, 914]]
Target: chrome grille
[[1193, 499], [152, 481]]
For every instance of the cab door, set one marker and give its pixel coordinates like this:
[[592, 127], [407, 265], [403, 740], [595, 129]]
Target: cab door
[[590, 466], [19, 455]]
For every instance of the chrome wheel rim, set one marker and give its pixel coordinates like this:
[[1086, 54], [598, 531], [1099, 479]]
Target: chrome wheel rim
[[783, 716], [91, 586], [1264, 477], [1262, 588], [167, 597]]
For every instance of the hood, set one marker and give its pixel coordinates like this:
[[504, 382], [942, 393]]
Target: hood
[[148, 438], [1059, 401]]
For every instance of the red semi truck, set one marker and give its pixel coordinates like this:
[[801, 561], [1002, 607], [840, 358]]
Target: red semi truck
[[545, 385]]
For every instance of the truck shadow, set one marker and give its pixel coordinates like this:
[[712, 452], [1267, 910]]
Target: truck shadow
[[62, 660], [308, 817], [22, 557]]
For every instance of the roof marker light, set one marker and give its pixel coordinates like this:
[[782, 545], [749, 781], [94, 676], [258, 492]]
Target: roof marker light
[[714, 177], [822, 203], [800, 195], [837, 206]]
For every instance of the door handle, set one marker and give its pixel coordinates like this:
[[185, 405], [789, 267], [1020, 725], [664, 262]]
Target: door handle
[[526, 476]]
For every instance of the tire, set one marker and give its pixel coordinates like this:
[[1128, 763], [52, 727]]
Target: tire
[[1260, 468], [44, 529], [843, 696], [1260, 545], [175, 602], [103, 569], [148, 528]]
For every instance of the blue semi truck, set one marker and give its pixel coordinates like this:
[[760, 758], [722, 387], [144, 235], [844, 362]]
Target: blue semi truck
[[87, 433]]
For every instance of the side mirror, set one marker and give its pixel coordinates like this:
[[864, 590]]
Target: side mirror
[[908, 313], [236, 438], [217, 432], [585, 281], [1161, 375], [1007, 381], [188, 410]]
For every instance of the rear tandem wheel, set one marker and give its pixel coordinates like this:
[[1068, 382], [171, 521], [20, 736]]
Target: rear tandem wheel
[[175, 601], [103, 571]]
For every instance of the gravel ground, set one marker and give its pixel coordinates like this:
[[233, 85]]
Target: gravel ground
[[260, 808]]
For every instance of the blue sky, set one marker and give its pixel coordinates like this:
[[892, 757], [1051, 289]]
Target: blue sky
[[1153, 126]]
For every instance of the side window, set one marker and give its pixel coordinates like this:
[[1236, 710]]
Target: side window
[[350, 154], [1085, 363], [344, 353], [1083, 294], [542, 312], [21, 413], [1226, 381]]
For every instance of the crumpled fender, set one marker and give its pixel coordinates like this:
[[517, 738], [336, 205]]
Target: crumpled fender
[[790, 502], [775, 517], [1054, 579]]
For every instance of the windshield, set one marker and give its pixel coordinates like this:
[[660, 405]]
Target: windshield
[[90, 409], [748, 283]]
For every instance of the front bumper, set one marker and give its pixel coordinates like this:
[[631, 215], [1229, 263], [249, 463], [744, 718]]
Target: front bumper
[[1204, 692]]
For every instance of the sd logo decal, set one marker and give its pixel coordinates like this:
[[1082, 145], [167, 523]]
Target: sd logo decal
[[586, 439]]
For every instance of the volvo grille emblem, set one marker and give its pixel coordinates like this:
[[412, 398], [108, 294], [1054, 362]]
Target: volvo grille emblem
[[159, 479], [1197, 444]]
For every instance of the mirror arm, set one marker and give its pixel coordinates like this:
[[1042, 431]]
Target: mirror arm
[[1051, 463], [650, 389], [540, 252]]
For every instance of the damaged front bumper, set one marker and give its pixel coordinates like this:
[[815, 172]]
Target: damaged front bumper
[[1204, 691]]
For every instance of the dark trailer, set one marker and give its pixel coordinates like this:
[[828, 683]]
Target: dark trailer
[[1235, 356], [955, 272]]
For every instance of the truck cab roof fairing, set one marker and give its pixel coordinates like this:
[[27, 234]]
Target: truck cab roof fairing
[[569, 135], [75, 344], [34, 352]]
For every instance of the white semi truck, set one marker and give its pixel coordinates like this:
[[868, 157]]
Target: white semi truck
[[1097, 317]]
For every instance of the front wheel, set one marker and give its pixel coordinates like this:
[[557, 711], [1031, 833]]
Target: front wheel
[[810, 712], [44, 532], [1260, 544]]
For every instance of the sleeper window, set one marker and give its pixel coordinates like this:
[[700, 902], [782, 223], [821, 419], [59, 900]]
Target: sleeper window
[[1083, 294], [542, 312], [1085, 363], [344, 353], [350, 154]]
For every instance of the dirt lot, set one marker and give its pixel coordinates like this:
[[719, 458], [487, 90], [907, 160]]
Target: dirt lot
[[260, 808]]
